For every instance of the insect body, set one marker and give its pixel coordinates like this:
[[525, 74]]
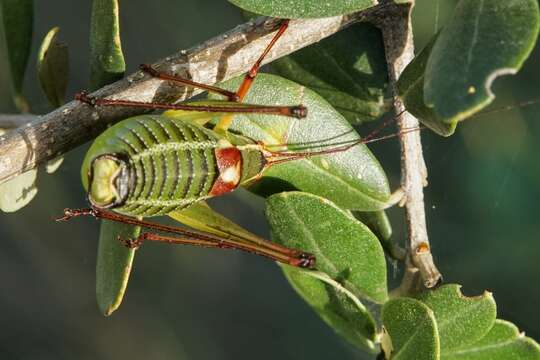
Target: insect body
[[152, 165]]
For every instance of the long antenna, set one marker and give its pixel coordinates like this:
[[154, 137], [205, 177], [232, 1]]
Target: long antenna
[[277, 157]]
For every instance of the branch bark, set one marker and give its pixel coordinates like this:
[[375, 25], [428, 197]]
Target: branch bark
[[215, 60], [12, 121], [399, 47]]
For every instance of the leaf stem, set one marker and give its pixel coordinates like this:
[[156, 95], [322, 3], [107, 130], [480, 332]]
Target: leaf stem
[[398, 41]]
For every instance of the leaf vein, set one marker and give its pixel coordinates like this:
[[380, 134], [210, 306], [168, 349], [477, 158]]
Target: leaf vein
[[474, 36]]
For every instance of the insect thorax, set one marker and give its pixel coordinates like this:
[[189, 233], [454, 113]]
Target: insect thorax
[[166, 165]]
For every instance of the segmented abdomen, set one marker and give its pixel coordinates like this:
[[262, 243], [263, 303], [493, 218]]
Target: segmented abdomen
[[172, 164]]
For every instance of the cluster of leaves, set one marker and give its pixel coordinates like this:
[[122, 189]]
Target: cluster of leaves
[[441, 86], [106, 65], [451, 79], [16, 21], [333, 206]]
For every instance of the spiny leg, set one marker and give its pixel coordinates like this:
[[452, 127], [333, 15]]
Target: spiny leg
[[303, 260], [231, 96], [237, 96], [252, 73], [198, 238], [298, 111]]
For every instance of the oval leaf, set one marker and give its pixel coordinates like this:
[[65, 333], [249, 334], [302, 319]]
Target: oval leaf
[[411, 90], [53, 68], [379, 224], [502, 342], [484, 40], [411, 330], [352, 179], [346, 250], [461, 320], [337, 306], [347, 69], [18, 192], [292, 9], [106, 59], [52, 165], [17, 21], [114, 262]]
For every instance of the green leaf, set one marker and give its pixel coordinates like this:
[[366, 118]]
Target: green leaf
[[18, 192], [411, 330], [484, 40], [114, 262], [346, 250], [106, 59], [52, 165], [53, 68], [411, 90], [502, 342], [17, 21], [461, 320], [352, 179], [379, 224], [348, 69], [202, 217], [292, 9], [337, 306]]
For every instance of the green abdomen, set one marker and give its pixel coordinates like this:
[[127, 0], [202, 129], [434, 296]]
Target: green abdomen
[[172, 163]]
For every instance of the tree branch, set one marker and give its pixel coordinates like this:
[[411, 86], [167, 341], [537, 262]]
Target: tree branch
[[399, 47], [12, 121], [215, 60]]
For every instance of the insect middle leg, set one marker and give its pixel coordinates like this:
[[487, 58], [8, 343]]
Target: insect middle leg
[[237, 96], [225, 121]]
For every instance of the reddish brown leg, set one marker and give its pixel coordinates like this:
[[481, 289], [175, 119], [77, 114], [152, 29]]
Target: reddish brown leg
[[291, 111], [252, 73], [225, 122], [301, 259], [214, 89], [198, 238], [248, 79]]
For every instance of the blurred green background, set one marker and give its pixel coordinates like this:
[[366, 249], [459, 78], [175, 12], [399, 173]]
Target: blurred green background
[[482, 206]]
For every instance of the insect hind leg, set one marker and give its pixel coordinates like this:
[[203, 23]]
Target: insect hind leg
[[197, 238]]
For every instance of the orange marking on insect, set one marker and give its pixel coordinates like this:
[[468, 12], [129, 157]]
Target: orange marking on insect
[[229, 163]]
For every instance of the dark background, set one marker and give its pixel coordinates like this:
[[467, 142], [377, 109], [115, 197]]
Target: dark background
[[482, 207]]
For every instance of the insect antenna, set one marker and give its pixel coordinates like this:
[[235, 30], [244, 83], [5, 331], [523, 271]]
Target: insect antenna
[[277, 157], [518, 105]]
